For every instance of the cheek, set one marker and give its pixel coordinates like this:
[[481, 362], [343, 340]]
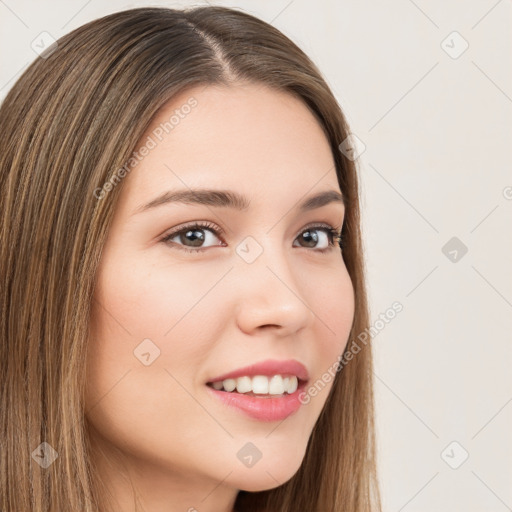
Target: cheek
[[152, 299], [139, 312], [165, 318], [333, 305]]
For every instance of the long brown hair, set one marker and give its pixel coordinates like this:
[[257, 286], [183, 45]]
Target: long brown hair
[[69, 123]]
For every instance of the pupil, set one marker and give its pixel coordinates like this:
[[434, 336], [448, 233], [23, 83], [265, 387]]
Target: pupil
[[197, 240]]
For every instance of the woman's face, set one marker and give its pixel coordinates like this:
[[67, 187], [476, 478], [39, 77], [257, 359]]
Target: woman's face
[[171, 316]]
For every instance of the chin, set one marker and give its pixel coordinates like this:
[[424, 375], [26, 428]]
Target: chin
[[266, 477]]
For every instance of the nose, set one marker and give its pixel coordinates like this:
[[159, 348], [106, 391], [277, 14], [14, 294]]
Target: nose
[[271, 295]]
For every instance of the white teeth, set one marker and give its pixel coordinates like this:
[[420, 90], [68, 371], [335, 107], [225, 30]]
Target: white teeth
[[243, 384], [276, 386], [259, 384], [292, 385], [229, 384]]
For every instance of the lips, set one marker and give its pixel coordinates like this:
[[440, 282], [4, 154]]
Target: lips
[[260, 408], [269, 368]]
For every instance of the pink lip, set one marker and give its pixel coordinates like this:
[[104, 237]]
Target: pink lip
[[269, 367], [262, 409]]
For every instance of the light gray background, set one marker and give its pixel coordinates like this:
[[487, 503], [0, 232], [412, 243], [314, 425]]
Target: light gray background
[[437, 165]]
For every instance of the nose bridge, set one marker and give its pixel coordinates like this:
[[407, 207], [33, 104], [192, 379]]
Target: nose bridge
[[271, 293]]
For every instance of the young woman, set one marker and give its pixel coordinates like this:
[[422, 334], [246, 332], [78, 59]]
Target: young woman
[[182, 275]]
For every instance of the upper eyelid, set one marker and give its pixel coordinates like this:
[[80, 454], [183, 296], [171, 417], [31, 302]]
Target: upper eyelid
[[217, 230]]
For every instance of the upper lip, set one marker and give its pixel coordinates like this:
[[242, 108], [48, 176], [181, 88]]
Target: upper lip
[[269, 367]]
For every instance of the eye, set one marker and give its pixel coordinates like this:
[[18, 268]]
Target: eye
[[195, 234], [334, 237]]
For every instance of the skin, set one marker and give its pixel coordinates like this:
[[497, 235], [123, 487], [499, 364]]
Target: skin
[[156, 427]]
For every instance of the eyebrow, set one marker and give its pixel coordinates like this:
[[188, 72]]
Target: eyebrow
[[231, 199]]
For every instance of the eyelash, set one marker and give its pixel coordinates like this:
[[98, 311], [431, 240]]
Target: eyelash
[[334, 233]]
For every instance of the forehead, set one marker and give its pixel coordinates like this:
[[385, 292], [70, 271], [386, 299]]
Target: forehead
[[246, 137]]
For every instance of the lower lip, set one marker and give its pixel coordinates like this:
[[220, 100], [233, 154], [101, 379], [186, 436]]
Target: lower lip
[[262, 409]]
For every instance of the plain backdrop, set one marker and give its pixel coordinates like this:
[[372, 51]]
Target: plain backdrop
[[427, 90]]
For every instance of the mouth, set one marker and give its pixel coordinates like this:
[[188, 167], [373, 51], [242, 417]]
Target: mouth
[[269, 390]]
